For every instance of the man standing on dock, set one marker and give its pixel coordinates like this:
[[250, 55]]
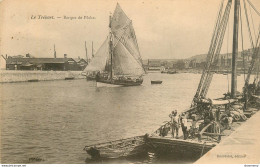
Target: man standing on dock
[[175, 123]]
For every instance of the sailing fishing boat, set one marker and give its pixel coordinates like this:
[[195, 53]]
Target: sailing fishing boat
[[118, 60]]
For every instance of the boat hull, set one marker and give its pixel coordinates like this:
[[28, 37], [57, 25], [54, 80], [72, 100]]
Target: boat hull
[[91, 78], [182, 148], [118, 83], [117, 149], [156, 82], [103, 84], [69, 78]]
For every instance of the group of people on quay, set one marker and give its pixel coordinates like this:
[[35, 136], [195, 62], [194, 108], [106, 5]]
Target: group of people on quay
[[192, 122]]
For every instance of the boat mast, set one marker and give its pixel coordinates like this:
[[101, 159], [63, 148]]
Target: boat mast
[[92, 50], [235, 49], [111, 49]]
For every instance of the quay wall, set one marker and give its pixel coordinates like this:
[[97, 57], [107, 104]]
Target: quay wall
[[8, 76]]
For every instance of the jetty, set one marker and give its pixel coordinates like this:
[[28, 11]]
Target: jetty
[[241, 147]]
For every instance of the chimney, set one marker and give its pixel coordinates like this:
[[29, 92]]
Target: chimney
[[65, 55], [86, 49], [79, 57]]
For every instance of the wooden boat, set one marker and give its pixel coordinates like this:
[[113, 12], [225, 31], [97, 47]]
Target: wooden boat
[[119, 148], [69, 78], [119, 82], [197, 143], [156, 82], [91, 78], [33, 80], [118, 60]]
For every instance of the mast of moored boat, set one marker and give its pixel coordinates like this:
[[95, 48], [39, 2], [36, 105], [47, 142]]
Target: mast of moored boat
[[111, 48], [235, 49]]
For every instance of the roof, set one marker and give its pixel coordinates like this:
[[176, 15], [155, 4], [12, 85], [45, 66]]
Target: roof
[[37, 60]]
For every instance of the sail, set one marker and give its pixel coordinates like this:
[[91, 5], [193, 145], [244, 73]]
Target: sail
[[124, 63], [119, 22], [98, 63], [123, 31], [126, 59]]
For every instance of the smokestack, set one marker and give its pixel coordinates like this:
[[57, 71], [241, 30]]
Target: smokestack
[[65, 55], [86, 49], [54, 51]]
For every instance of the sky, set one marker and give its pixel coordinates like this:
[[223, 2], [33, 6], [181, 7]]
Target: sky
[[165, 29]]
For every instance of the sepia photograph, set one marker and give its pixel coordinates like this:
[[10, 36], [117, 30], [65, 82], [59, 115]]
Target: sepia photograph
[[129, 82]]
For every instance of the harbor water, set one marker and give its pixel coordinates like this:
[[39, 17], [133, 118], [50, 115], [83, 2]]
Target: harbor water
[[51, 121]]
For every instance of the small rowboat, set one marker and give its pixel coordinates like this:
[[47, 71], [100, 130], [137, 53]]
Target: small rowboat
[[119, 148], [69, 78], [33, 80], [156, 82]]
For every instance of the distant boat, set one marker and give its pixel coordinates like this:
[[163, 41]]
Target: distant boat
[[156, 82], [172, 72], [69, 78], [33, 80], [168, 72], [91, 78], [118, 60]]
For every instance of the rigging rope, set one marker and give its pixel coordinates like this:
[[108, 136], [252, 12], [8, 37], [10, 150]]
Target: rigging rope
[[252, 22], [213, 53], [248, 25], [242, 42], [254, 59], [208, 56], [226, 64], [215, 56], [253, 7]]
